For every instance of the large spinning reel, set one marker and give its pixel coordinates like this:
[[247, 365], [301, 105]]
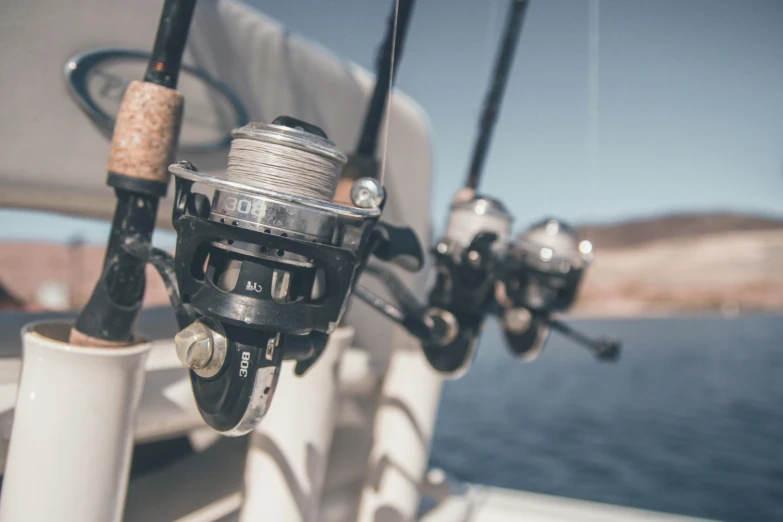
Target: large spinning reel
[[262, 275]]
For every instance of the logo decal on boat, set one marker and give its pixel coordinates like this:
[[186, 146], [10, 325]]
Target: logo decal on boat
[[97, 81]]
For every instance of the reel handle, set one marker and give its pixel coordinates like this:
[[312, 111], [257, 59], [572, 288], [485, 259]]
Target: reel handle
[[604, 349], [399, 245]]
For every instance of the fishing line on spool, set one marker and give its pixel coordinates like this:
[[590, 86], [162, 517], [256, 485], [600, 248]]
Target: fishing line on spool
[[282, 168]]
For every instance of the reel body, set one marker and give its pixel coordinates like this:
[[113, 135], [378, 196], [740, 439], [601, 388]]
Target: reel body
[[265, 273], [541, 276], [467, 260], [544, 268]]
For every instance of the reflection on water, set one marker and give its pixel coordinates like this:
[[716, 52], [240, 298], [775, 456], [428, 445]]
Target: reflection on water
[[690, 420]]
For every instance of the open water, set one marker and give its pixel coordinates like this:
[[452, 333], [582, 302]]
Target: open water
[[689, 420]]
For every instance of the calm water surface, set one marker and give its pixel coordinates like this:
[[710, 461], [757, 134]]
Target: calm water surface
[[689, 420]]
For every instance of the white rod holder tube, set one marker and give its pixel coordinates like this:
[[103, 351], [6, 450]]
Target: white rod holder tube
[[402, 432], [287, 459], [72, 436]]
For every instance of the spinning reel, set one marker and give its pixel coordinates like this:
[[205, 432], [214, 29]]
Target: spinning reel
[[546, 266], [542, 274], [467, 260], [262, 274]]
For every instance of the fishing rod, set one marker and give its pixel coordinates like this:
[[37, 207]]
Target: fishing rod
[[263, 270], [408, 253], [363, 163], [143, 145], [388, 61], [468, 256], [514, 21], [525, 282]]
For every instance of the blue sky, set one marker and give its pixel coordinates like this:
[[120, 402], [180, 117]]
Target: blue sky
[[687, 114]]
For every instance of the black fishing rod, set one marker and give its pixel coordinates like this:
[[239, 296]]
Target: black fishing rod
[[388, 61], [514, 21], [363, 163], [468, 256], [400, 244], [143, 145]]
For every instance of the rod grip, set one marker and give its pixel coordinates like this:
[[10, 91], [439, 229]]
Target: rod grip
[[146, 132]]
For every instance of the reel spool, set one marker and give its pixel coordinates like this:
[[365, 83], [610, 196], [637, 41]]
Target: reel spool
[[266, 267], [467, 260]]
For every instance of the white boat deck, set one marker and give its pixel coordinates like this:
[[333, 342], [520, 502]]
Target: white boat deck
[[490, 504], [183, 492]]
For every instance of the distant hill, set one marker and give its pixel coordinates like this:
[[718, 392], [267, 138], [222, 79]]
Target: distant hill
[[681, 226], [670, 264], [715, 262]]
